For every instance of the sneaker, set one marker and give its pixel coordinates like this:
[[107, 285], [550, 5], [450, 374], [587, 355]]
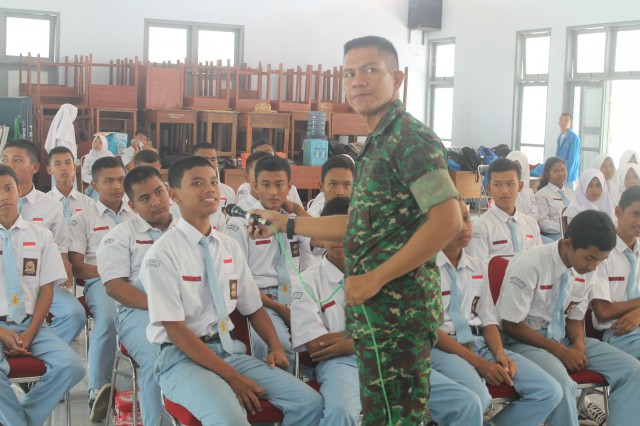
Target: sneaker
[[592, 411], [587, 423], [99, 403]]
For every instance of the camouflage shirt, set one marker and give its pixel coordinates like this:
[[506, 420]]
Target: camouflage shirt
[[400, 175]]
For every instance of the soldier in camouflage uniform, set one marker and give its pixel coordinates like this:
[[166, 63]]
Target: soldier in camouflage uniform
[[403, 211]]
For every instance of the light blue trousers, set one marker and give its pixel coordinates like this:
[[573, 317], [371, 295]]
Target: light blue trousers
[[451, 403], [259, 348], [69, 317], [210, 398], [621, 370], [64, 370], [102, 343], [629, 343], [340, 388]]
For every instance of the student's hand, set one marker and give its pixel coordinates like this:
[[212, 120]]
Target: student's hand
[[574, 359], [494, 373], [67, 285], [507, 363], [293, 207], [13, 343], [27, 337], [247, 392], [360, 288], [332, 348], [277, 358], [627, 323], [261, 231]]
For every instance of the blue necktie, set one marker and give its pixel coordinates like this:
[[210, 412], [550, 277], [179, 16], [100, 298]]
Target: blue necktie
[[463, 332], [67, 209], [632, 281], [556, 329], [218, 298], [565, 199], [20, 204], [17, 312], [115, 216], [284, 280], [514, 235]]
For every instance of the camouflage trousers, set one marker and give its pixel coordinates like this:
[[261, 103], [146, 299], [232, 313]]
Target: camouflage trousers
[[405, 367]]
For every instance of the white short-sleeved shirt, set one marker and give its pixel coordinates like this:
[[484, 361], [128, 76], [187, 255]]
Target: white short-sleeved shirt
[[310, 319], [611, 278], [227, 195], [77, 200], [317, 205], [550, 206], [38, 261], [492, 237], [218, 219], [173, 274], [477, 303], [262, 255], [40, 209], [246, 200], [90, 225], [531, 286], [122, 249]]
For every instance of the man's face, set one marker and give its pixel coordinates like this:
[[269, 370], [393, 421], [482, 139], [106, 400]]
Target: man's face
[[272, 188], [629, 219], [585, 260], [558, 174], [370, 85], [151, 201], [62, 169], [19, 161], [9, 195], [504, 187], [198, 193], [110, 185], [564, 122], [210, 154], [337, 183], [464, 236]]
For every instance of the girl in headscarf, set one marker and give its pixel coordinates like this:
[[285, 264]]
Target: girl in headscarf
[[629, 156], [99, 149], [552, 198], [526, 202], [604, 163], [628, 175], [591, 194]]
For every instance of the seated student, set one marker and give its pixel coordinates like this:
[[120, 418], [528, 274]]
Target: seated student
[[34, 206], [526, 202], [542, 303], [139, 143], [503, 230], [616, 292], [604, 163], [208, 151], [552, 198], [591, 194], [195, 277], [87, 229], [469, 349], [99, 149], [31, 266], [628, 175], [336, 180], [119, 258], [147, 157], [269, 265], [247, 197]]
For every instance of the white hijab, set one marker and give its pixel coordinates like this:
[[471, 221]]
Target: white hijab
[[613, 184], [522, 159], [622, 174], [62, 132], [625, 158], [104, 152], [580, 203]]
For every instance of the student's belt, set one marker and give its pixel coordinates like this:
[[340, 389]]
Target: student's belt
[[5, 318], [205, 339], [475, 330]]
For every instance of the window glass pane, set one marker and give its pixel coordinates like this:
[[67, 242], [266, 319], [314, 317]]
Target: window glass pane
[[590, 52], [25, 35], [627, 51], [445, 59], [534, 113], [623, 122], [537, 51], [167, 44], [443, 111], [535, 154], [216, 45]]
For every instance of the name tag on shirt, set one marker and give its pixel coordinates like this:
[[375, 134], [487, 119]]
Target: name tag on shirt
[[446, 293], [191, 279], [529, 236], [38, 219], [546, 287], [612, 279], [29, 244], [101, 228], [144, 241], [328, 305], [579, 280], [262, 242], [495, 243], [477, 277]]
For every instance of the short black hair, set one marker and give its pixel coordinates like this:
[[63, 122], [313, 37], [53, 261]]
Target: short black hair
[[137, 175], [255, 157], [177, 169], [8, 171], [548, 165], [202, 145], [592, 228], [105, 163], [337, 206], [141, 131], [504, 165], [259, 143], [273, 163], [58, 150], [337, 162], [145, 156], [567, 114], [33, 152], [629, 196], [383, 45]]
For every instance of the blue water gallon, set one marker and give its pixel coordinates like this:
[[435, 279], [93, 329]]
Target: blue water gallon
[[315, 152]]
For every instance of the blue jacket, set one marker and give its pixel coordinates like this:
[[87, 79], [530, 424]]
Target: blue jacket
[[569, 150]]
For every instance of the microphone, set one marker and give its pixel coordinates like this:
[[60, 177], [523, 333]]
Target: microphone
[[235, 210]]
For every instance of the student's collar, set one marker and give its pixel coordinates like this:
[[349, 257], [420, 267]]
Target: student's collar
[[334, 275], [19, 223], [144, 226], [31, 196], [58, 195], [502, 215], [192, 234], [102, 208], [559, 267], [442, 260], [621, 246], [394, 109], [554, 187], [259, 206]]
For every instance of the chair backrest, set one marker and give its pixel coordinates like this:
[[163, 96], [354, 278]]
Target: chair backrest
[[241, 329], [497, 268]]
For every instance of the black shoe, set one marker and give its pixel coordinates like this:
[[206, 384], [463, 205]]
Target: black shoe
[[99, 404]]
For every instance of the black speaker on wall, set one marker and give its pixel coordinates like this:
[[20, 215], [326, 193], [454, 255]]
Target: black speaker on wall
[[425, 15]]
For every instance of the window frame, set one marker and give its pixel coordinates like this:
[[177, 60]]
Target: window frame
[[434, 83], [54, 32]]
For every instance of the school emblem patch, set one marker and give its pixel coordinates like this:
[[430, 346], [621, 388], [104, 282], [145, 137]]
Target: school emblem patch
[[233, 289], [29, 267]]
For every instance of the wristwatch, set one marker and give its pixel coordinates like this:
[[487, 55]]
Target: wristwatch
[[291, 223]]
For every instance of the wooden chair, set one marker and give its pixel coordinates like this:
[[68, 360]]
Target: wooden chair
[[113, 85], [294, 88], [207, 86], [328, 91], [161, 86], [249, 86]]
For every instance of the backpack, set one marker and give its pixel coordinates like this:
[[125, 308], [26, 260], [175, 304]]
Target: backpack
[[470, 160], [486, 155], [455, 155], [353, 150]]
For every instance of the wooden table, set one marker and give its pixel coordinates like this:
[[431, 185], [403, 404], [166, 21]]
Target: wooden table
[[208, 119], [181, 138], [127, 119], [264, 120]]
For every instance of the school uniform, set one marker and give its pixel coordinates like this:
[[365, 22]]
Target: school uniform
[[218, 219], [120, 255], [316, 205], [498, 234], [613, 285], [174, 274], [245, 198], [551, 201], [227, 195], [537, 287], [539, 392], [74, 203], [38, 263], [87, 229]]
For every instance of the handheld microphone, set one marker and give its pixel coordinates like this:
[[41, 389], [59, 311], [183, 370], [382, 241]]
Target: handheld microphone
[[235, 210]]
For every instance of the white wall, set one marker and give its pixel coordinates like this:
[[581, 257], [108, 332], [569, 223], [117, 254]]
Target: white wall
[[485, 32], [294, 32]]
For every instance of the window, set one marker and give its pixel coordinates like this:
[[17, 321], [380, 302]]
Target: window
[[28, 32], [168, 41], [440, 96], [532, 75]]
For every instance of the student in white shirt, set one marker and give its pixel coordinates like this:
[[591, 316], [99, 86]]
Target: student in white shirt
[[526, 202], [119, 259], [200, 366], [503, 230], [208, 151], [616, 293], [542, 303], [591, 194], [604, 163], [31, 266], [336, 180], [87, 229], [469, 349], [552, 198]]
